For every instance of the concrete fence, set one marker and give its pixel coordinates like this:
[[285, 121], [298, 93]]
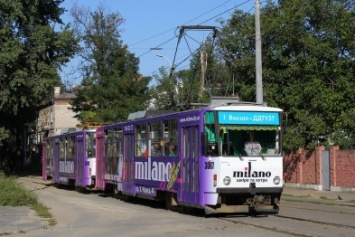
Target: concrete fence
[[321, 169]]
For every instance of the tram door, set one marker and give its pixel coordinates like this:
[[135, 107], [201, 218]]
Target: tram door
[[190, 165], [128, 164], [80, 161], [56, 154], [100, 159], [45, 160]]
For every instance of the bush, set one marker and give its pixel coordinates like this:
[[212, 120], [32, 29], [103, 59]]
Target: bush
[[14, 194]]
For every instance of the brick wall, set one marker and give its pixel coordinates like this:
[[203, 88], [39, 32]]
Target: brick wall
[[343, 171], [304, 168]]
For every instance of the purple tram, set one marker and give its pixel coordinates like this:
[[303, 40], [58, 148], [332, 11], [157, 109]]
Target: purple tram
[[70, 158], [222, 159]]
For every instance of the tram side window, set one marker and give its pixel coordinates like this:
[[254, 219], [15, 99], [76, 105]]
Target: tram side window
[[62, 148], [170, 137], [117, 148], [211, 146], [91, 144], [141, 140], [112, 149], [70, 143], [155, 139], [49, 152], [108, 144], [118, 141]]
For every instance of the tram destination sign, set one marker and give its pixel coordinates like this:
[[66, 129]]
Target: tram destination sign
[[250, 118]]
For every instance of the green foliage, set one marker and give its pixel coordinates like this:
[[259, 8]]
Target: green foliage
[[14, 194], [163, 95], [33, 48], [112, 87], [184, 87], [308, 66], [4, 134], [218, 79], [235, 50]]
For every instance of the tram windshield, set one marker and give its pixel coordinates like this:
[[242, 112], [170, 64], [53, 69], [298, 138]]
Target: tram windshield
[[234, 133]]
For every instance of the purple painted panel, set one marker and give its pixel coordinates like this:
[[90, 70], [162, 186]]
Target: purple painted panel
[[190, 166], [100, 159], [128, 165], [80, 159], [56, 161], [44, 160]]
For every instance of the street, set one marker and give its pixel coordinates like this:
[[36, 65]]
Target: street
[[93, 213]]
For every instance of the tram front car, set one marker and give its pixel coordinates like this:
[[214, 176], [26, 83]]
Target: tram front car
[[243, 166]]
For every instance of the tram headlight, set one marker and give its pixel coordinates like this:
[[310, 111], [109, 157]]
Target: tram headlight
[[227, 180], [277, 180]]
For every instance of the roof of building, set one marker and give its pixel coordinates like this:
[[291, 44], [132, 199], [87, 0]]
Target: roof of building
[[66, 95]]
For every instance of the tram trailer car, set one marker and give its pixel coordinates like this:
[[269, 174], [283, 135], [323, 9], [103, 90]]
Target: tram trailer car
[[70, 159], [223, 159]]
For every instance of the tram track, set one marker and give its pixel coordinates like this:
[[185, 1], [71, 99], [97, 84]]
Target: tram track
[[289, 223], [319, 209], [271, 228], [281, 229], [33, 183], [315, 221], [321, 202]]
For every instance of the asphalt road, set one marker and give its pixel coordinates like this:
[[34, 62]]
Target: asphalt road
[[95, 214]]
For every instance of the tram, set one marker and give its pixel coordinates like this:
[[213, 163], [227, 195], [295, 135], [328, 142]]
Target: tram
[[223, 158], [70, 158]]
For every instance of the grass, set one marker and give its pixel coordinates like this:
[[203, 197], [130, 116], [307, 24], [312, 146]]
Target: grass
[[14, 194], [43, 211]]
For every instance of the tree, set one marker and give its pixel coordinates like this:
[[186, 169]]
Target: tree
[[187, 88], [235, 49], [112, 87], [308, 66], [218, 80], [163, 95], [34, 45]]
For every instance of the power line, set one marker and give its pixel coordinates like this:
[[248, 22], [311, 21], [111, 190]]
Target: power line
[[156, 46], [207, 12], [241, 4], [141, 41]]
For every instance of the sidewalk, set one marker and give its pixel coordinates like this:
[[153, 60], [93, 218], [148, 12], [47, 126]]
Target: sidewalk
[[22, 219], [337, 198], [14, 220]]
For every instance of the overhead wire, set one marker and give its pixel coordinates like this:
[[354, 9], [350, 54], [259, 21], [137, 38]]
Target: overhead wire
[[151, 49], [239, 5], [141, 41], [156, 46]]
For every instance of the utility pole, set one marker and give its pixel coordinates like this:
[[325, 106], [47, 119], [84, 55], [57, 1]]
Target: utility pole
[[258, 64], [203, 55], [203, 61]]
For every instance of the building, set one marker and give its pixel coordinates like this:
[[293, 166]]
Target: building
[[55, 116]]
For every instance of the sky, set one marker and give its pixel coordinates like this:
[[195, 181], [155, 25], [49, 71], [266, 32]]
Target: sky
[[151, 28]]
